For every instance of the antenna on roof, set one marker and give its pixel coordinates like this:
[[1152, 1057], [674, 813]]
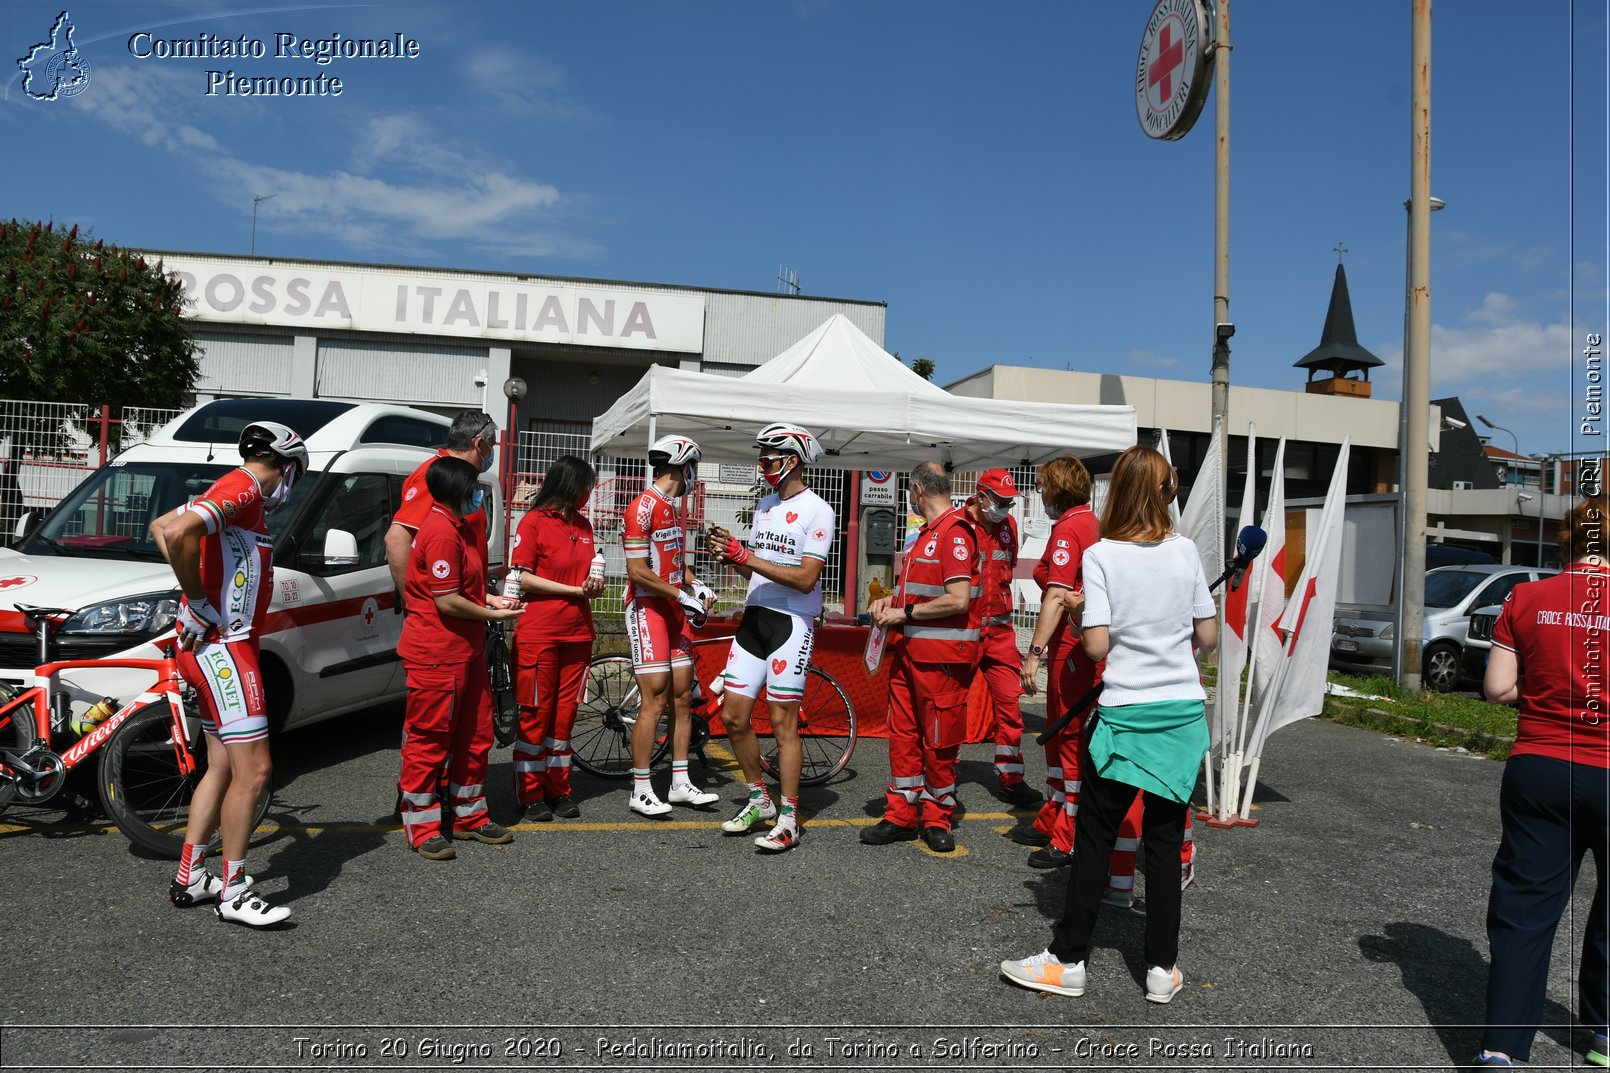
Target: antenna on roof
[[258, 199], [787, 280]]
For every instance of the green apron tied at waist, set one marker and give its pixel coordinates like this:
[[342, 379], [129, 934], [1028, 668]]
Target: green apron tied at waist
[[1156, 747]]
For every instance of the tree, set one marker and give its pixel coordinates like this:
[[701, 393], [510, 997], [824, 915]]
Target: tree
[[90, 323], [922, 367]]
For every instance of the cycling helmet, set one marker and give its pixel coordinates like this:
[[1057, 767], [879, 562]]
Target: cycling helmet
[[783, 436], [271, 437], [673, 451]]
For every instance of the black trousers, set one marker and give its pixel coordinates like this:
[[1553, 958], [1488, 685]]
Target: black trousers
[[1102, 804], [1554, 813]]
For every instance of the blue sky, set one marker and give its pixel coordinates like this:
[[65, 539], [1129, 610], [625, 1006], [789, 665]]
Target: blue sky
[[979, 167]]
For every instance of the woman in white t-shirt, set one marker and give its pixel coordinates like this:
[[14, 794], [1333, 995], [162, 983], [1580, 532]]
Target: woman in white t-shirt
[[1145, 608]]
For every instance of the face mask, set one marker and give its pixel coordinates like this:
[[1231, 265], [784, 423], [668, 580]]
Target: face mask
[[282, 490], [473, 503], [486, 464], [775, 480], [996, 514]]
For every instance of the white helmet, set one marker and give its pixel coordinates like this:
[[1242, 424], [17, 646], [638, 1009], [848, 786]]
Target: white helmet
[[271, 437], [673, 451], [783, 436]]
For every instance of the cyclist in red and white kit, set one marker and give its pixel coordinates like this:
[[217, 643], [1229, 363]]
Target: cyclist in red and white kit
[[788, 546], [221, 552], [660, 600]]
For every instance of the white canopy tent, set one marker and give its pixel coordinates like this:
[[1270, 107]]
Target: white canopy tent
[[868, 410]]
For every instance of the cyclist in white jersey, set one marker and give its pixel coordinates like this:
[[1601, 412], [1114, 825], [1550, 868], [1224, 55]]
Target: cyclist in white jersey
[[788, 546]]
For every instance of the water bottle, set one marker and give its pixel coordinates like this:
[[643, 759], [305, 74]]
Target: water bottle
[[596, 571], [511, 584], [94, 716]]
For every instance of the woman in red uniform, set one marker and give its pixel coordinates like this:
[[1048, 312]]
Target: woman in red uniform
[[1548, 657], [1064, 486], [553, 551], [443, 649]]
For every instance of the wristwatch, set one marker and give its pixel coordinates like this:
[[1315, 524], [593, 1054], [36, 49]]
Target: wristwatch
[[1037, 651], [911, 612]]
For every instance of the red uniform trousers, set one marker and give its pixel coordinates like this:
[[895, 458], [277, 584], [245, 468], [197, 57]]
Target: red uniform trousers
[[927, 722], [1001, 664], [448, 729], [1068, 677], [549, 678]]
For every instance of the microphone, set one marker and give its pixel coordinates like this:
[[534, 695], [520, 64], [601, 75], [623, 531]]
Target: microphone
[[1248, 546]]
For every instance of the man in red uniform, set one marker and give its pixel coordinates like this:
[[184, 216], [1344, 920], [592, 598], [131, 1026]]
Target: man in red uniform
[[934, 614], [999, 661], [221, 552], [443, 649], [472, 437]]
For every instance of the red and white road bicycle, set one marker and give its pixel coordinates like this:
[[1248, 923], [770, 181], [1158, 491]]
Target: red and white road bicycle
[[150, 749]]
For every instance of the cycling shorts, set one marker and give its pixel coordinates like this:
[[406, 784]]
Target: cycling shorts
[[771, 650], [229, 685], [657, 630]]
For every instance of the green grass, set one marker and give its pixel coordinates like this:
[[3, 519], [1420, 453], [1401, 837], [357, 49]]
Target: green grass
[[1437, 718]]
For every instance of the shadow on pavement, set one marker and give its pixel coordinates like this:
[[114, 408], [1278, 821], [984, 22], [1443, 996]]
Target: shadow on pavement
[[1449, 977]]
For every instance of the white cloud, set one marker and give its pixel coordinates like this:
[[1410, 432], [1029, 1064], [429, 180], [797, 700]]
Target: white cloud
[[522, 83], [1499, 343], [1146, 359], [408, 183]]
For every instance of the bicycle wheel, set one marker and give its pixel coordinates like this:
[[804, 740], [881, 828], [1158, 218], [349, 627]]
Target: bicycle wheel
[[16, 737], [601, 741], [826, 731], [141, 787], [505, 705]]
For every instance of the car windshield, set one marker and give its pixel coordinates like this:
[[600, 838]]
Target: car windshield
[[109, 516], [1445, 588]]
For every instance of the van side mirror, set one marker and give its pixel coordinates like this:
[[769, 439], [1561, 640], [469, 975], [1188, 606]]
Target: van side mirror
[[25, 522], [340, 549]]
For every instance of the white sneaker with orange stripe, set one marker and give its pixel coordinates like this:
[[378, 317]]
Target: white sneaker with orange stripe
[[1046, 972], [1163, 984]]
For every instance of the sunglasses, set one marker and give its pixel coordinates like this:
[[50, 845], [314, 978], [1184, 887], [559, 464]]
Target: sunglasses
[[772, 460]]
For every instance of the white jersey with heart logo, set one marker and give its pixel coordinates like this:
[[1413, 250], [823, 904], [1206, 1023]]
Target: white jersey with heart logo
[[787, 532]]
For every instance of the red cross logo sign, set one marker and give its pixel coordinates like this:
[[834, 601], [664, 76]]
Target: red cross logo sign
[[17, 582], [440, 568], [1174, 70]]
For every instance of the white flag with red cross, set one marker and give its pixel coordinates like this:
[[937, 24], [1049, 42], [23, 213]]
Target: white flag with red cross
[[1299, 688]]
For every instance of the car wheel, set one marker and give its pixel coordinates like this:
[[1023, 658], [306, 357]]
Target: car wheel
[[1439, 668]]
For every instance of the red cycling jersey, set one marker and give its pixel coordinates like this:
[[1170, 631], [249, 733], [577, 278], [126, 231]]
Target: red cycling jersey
[[653, 531], [237, 568]]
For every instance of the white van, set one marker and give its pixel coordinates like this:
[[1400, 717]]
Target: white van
[[329, 641]]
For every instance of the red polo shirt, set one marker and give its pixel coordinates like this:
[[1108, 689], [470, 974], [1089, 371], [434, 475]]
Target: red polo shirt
[[1062, 564], [417, 501], [551, 546], [440, 563], [1559, 630]]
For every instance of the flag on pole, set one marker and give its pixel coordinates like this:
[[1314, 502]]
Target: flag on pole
[[1233, 644], [1162, 449], [1202, 520], [1299, 688], [1268, 644]]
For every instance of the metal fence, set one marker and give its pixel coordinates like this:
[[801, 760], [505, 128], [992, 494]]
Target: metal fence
[[47, 448]]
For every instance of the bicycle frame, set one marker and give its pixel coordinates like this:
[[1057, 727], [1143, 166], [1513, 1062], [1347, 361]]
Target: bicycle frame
[[168, 688]]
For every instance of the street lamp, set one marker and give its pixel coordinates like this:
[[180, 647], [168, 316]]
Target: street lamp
[[1417, 598], [1513, 439]]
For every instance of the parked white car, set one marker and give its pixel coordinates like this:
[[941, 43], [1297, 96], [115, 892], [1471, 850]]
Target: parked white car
[[329, 642]]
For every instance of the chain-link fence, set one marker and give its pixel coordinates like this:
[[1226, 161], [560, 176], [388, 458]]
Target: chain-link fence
[[47, 448]]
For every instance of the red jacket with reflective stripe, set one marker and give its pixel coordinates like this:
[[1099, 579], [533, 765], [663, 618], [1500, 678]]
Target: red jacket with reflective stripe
[[997, 558], [945, 549]]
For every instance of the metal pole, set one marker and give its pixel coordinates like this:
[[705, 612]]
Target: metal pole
[[1221, 234], [1417, 362], [1542, 498], [1403, 434]]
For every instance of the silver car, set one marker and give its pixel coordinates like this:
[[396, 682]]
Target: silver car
[[1362, 640]]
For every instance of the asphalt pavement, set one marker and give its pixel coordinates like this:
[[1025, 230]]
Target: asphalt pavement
[[1343, 932]]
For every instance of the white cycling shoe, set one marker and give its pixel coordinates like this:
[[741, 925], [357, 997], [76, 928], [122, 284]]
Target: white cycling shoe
[[688, 794], [203, 887], [647, 804], [251, 909]]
